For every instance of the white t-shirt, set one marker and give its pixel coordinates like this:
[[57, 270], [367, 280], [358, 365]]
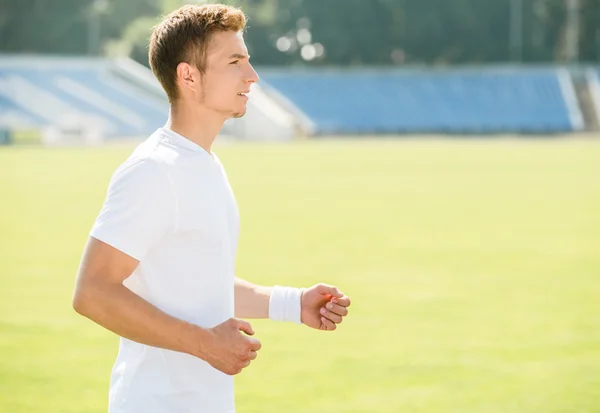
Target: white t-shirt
[[170, 206]]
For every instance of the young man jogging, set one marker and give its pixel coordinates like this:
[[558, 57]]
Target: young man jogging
[[158, 267]]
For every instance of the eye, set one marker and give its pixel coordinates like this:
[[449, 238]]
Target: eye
[[234, 62]]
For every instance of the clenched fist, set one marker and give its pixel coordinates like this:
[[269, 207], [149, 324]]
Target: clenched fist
[[324, 307], [227, 349]]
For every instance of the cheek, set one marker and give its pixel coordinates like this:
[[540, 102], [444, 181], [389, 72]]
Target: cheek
[[221, 89]]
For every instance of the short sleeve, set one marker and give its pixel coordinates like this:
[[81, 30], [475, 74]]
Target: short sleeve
[[139, 209]]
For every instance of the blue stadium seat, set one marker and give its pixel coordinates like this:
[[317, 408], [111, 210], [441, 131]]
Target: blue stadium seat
[[413, 102], [90, 90], [9, 108]]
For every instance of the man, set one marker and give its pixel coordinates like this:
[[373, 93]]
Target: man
[[158, 268]]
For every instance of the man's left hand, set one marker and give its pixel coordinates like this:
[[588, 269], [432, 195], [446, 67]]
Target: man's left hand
[[324, 307]]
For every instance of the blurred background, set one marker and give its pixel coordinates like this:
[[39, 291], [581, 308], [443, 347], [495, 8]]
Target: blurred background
[[461, 66], [438, 160]]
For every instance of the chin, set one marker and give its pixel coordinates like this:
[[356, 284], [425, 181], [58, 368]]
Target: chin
[[238, 114]]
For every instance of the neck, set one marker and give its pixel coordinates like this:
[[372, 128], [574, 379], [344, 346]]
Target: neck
[[199, 125]]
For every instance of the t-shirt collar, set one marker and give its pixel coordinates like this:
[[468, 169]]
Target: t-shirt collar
[[182, 141]]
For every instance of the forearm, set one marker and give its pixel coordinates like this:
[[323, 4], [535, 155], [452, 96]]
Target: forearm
[[276, 303], [251, 300], [121, 311]]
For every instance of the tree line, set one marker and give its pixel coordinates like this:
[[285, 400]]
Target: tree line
[[323, 32]]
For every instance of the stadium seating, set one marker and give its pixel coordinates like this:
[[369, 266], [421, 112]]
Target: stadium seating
[[593, 77], [454, 101], [124, 99], [102, 98], [38, 92], [11, 113]]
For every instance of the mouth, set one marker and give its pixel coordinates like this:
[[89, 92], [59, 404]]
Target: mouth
[[243, 94]]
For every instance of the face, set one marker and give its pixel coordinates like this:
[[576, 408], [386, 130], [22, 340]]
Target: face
[[227, 78]]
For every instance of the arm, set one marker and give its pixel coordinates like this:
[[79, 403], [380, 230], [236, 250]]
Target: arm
[[101, 296], [137, 214], [320, 306], [251, 300]]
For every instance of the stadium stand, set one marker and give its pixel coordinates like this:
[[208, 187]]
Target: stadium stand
[[40, 92], [107, 98], [593, 77], [119, 98], [423, 101]]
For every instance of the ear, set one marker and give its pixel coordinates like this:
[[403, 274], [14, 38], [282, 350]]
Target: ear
[[188, 77]]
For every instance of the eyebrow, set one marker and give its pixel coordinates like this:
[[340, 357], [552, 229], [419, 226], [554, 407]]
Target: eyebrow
[[239, 56]]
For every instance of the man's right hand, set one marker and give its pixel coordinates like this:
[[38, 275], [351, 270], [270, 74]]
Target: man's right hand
[[227, 349]]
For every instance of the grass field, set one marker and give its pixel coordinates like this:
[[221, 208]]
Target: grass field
[[474, 269]]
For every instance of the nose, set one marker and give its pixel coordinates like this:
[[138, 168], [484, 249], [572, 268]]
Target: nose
[[252, 75]]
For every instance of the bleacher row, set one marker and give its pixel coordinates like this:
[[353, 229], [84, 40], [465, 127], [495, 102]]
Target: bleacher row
[[487, 101], [335, 102], [38, 93]]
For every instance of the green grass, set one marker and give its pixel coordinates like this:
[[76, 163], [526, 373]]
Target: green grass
[[474, 269]]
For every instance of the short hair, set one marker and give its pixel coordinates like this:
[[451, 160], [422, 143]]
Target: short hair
[[184, 36]]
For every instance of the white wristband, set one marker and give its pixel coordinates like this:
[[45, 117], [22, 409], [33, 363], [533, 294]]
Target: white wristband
[[285, 305]]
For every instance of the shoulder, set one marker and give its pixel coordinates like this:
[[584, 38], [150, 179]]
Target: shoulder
[[148, 166], [140, 186], [141, 180], [141, 173]]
